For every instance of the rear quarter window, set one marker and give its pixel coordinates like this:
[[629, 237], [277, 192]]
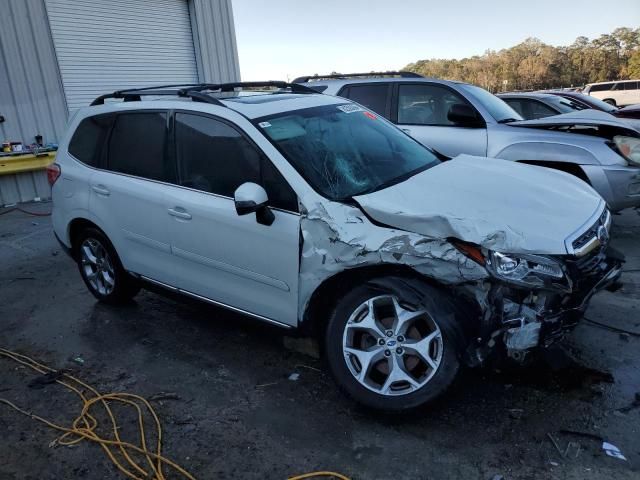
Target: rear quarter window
[[88, 139]]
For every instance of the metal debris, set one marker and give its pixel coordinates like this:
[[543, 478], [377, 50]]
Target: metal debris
[[613, 451]]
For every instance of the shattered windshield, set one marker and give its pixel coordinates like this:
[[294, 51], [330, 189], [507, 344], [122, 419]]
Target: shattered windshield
[[345, 150]]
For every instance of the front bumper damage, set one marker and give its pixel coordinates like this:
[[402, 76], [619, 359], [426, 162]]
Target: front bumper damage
[[519, 320], [516, 319]]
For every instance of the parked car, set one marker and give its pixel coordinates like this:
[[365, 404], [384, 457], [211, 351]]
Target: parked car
[[309, 211], [629, 115], [620, 93], [585, 100], [534, 105], [454, 118], [632, 112]]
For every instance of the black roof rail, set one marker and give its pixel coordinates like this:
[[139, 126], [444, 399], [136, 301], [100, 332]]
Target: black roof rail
[[401, 74], [196, 91]]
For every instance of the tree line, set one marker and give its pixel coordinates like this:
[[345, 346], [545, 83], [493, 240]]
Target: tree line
[[534, 64]]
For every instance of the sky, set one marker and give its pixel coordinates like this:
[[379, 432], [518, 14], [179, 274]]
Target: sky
[[283, 39]]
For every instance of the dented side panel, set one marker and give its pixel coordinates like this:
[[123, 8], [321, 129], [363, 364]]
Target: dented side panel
[[336, 237]]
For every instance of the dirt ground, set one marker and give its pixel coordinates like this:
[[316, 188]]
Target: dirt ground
[[238, 415]]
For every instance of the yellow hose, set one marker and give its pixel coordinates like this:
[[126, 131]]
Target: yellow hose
[[119, 452]]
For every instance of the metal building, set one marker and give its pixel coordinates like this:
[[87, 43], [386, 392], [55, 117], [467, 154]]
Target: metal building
[[58, 55]]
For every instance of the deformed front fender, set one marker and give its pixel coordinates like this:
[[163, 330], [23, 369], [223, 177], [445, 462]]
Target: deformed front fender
[[337, 237]]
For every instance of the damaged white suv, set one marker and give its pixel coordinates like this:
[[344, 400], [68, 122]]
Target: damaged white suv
[[306, 210]]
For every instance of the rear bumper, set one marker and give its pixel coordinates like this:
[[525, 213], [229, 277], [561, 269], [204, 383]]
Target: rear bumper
[[619, 185]]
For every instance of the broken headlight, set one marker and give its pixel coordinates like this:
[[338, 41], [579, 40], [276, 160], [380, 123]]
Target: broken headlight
[[533, 271], [629, 147]]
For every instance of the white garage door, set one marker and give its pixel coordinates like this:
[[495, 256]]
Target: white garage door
[[109, 45]]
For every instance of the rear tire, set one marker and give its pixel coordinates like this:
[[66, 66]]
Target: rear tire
[[393, 344], [101, 269]]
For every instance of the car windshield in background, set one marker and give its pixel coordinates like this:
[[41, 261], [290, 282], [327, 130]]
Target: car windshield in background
[[497, 107], [564, 104], [345, 150], [596, 102]]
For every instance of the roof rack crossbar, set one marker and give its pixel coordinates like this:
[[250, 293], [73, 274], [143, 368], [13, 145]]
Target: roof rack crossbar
[[401, 74], [136, 95], [231, 86], [195, 91], [158, 87]]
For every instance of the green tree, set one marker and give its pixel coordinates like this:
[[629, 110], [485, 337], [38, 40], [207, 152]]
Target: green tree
[[533, 64]]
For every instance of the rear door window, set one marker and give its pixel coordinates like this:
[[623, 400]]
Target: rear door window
[[137, 145], [517, 105], [88, 139], [631, 85], [540, 110], [374, 96]]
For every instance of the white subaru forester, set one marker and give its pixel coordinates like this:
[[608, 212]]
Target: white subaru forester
[[307, 210]]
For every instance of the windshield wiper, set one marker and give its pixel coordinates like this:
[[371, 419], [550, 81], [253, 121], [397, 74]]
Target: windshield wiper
[[508, 120]]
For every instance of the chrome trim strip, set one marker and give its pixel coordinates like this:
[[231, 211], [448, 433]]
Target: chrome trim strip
[[156, 282], [213, 302], [582, 251], [235, 309], [225, 267], [568, 243]]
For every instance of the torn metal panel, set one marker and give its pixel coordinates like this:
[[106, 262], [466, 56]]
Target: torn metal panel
[[336, 237], [515, 207]]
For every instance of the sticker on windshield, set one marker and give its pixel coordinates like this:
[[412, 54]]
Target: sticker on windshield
[[369, 115], [264, 124], [350, 108]]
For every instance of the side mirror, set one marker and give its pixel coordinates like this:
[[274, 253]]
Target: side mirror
[[251, 197], [464, 116]]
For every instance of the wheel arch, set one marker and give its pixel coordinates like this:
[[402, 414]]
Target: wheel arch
[[544, 151], [323, 300], [567, 167], [76, 226]]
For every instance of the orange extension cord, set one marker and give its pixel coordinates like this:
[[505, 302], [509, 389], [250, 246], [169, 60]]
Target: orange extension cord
[[119, 452]]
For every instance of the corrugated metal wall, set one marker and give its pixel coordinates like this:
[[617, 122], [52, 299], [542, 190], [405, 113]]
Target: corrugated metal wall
[[24, 187], [214, 37], [31, 96], [117, 44]]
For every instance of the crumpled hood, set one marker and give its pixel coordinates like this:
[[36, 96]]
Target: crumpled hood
[[585, 117], [499, 204]]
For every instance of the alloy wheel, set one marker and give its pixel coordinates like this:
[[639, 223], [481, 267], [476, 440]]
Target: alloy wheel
[[97, 266], [391, 349]]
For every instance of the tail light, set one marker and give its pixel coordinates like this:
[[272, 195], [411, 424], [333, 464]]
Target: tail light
[[53, 173]]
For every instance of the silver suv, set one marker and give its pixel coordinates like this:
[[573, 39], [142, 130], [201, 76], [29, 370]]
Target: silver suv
[[309, 211], [454, 117]]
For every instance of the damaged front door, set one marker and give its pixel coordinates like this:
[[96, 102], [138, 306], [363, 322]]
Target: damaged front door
[[220, 255]]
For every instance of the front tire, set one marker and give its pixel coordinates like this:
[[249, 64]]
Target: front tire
[[101, 269], [393, 344], [610, 101]]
